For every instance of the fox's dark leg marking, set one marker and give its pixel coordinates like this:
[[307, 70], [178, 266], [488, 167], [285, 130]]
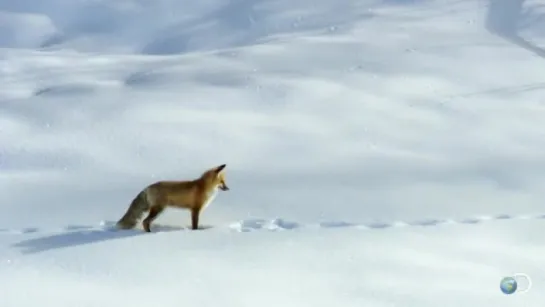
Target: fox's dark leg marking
[[195, 218], [153, 213]]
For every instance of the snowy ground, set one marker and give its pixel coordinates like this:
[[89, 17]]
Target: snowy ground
[[380, 153]]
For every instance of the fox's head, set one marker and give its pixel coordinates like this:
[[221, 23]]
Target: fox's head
[[216, 177]]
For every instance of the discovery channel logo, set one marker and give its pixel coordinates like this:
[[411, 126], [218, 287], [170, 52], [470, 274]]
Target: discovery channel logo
[[517, 283]]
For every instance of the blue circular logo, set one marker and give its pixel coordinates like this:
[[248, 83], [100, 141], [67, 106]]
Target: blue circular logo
[[508, 285]]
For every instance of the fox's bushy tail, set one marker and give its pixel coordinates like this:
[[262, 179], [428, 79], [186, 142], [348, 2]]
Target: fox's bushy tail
[[137, 208]]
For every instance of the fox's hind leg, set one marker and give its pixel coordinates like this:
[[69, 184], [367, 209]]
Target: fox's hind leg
[[153, 214]]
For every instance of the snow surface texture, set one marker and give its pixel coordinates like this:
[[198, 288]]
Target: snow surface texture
[[379, 153]]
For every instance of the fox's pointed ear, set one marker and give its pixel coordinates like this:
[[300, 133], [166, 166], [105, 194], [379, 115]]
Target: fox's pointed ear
[[220, 168]]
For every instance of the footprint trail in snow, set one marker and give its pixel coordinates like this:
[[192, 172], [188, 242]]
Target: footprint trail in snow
[[279, 224]]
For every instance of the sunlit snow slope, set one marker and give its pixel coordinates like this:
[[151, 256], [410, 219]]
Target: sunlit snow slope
[[379, 153]]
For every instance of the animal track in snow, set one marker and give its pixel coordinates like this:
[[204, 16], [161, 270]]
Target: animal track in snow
[[275, 224], [281, 224], [256, 224]]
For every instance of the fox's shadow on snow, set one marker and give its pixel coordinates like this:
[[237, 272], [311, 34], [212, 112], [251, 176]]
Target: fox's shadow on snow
[[73, 236], [504, 18]]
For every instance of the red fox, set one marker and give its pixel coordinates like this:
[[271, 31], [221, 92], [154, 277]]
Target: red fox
[[194, 195]]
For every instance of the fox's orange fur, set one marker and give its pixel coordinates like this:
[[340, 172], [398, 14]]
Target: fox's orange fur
[[193, 195]]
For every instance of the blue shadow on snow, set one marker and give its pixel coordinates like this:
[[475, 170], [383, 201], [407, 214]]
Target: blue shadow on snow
[[77, 237]]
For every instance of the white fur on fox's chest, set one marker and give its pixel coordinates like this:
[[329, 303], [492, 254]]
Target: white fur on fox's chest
[[210, 198]]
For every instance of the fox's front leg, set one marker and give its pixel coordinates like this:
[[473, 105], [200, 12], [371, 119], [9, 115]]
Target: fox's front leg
[[195, 218]]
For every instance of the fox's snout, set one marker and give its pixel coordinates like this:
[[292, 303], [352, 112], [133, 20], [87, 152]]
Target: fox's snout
[[224, 187]]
